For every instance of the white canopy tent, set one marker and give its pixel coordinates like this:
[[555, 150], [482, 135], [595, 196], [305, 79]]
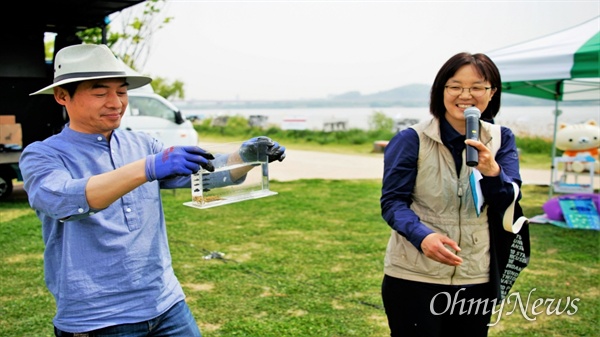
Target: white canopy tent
[[564, 66]]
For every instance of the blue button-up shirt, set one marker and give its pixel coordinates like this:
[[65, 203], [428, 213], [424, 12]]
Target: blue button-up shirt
[[399, 180], [104, 267]]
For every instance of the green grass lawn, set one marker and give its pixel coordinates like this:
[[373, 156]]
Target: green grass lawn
[[305, 262]]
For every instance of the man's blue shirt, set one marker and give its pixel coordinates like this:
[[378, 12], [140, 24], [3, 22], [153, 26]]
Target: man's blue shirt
[[104, 267]]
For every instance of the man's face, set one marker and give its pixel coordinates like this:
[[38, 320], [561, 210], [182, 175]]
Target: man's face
[[97, 105]]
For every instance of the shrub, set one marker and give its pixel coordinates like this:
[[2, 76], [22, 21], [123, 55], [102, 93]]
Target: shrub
[[379, 121], [380, 129], [534, 145]]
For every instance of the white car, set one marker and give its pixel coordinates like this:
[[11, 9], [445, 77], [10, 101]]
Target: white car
[[151, 113]]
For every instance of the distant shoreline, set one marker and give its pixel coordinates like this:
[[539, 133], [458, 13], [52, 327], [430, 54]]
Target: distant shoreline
[[408, 96], [318, 104], [523, 120]]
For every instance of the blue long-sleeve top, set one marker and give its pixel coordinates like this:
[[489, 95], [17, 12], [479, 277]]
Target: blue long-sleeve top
[[104, 266], [400, 173]]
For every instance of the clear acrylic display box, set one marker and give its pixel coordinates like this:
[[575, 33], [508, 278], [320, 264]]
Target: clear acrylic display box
[[255, 185]]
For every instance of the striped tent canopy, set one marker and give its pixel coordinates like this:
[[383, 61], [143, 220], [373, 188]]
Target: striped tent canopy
[[563, 66]]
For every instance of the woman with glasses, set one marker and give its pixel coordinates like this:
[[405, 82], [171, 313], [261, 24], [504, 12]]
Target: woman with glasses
[[437, 277]]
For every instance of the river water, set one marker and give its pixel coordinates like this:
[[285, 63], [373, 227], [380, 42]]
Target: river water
[[524, 121]]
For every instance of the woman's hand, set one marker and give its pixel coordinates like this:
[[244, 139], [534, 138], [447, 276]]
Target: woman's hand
[[434, 247], [487, 164]]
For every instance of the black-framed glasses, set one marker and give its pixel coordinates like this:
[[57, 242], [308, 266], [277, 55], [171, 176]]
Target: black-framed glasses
[[476, 91]]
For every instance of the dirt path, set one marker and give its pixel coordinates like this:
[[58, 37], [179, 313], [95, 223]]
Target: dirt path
[[308, 164]]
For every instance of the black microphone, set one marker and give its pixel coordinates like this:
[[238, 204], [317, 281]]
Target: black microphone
[[472, 115]]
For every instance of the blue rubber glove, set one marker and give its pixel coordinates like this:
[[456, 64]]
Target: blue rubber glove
[[177, 161], [256, 148]]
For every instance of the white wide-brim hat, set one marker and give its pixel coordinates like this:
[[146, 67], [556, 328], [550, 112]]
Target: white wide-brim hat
[[85, 62]]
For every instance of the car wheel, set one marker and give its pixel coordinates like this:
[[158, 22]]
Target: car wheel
[[6, 187]]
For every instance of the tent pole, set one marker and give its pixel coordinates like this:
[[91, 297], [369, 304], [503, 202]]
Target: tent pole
[[552, 167], [558, 91]]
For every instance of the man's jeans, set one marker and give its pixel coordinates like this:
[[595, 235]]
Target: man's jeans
[[175, 322]]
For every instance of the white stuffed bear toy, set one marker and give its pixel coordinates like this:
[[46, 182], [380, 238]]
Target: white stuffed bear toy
[[580, 141]]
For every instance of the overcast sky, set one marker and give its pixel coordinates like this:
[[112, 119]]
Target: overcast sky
[[311, 49]]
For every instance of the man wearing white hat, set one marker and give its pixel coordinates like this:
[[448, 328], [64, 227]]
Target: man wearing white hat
[[96, 190]]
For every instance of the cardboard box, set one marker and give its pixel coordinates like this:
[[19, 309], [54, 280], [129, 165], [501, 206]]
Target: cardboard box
[[11, 134], [7, 119]]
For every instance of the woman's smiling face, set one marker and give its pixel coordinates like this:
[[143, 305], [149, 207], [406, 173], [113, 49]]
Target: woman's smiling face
[[465, 77]]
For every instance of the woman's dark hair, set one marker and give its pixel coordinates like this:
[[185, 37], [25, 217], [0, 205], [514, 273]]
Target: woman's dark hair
[[486, 69]]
